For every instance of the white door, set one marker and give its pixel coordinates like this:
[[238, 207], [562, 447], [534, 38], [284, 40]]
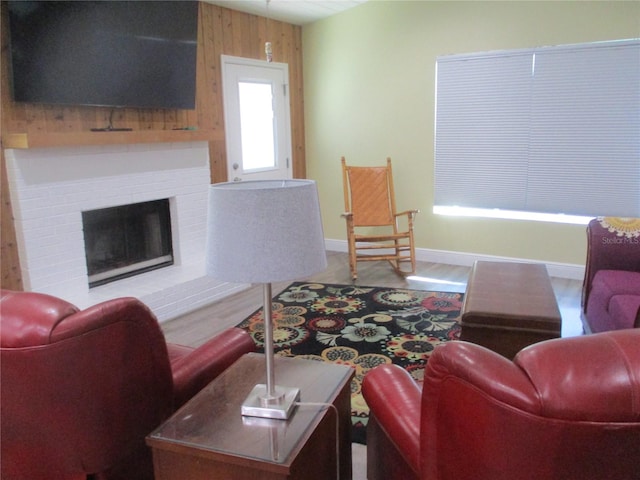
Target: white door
[[257, 119]]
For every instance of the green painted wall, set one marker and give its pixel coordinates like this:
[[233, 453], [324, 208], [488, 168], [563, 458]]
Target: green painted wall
[[369, 81]]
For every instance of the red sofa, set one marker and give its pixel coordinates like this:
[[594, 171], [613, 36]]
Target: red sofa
[[82, 389], [562, 409], [611, 287]]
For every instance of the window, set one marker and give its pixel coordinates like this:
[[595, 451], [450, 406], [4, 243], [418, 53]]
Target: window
[[553, 130], [256, 125]]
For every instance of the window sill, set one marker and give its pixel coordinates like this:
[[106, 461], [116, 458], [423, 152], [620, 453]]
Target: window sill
[[510, 215]]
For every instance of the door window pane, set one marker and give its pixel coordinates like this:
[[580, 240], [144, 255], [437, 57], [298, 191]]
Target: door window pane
[[256, 123]]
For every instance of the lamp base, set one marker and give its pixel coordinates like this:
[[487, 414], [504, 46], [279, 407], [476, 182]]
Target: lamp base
[[259, 404]]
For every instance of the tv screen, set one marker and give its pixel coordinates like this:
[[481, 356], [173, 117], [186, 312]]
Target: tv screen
[[104, 53]]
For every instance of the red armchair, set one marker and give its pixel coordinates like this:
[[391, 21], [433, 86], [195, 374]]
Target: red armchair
[[611, 287], [82, 389], [562, 409]]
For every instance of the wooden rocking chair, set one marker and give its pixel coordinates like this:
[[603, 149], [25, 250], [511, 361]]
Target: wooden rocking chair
[[370, 205]]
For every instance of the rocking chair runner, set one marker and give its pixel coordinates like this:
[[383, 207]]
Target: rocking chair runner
[[370, 204]]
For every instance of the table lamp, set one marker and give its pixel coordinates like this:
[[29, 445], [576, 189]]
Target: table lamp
[[265, 231]]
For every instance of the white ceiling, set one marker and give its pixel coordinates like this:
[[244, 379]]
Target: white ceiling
[[297, 12]]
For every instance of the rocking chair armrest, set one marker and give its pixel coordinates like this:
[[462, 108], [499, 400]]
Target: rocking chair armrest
[[409, 213]]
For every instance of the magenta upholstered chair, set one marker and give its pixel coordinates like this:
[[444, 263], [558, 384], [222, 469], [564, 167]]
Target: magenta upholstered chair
[[611, 288], [82, 389]]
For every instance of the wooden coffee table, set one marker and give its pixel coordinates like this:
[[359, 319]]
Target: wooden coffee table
[[208, 438], [509, 306]]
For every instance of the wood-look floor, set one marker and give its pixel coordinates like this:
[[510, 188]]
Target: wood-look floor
[[195, 328]]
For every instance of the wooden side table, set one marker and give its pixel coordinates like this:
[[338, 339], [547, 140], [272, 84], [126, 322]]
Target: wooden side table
[[208, 438]]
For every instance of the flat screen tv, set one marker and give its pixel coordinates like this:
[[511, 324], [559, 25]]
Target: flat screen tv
[[104, 53]]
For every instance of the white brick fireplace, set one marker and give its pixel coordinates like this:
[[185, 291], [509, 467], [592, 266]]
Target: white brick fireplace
[[51, 187]]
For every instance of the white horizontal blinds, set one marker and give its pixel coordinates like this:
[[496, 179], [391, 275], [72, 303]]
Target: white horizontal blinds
[[554, 130], [585, 131], [482, 123]]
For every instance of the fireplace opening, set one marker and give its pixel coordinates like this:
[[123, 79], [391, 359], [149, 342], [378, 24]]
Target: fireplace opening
[[127, 240]]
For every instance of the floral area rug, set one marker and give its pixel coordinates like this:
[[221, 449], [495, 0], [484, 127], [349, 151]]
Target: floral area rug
[[362, 327]]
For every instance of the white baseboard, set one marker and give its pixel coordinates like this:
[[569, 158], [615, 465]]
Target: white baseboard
[[561, 270]]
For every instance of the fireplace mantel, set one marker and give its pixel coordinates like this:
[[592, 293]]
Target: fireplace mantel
[[66, 139]]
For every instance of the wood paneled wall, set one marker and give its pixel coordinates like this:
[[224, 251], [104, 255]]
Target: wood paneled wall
[[9, 261], [220, 31]]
